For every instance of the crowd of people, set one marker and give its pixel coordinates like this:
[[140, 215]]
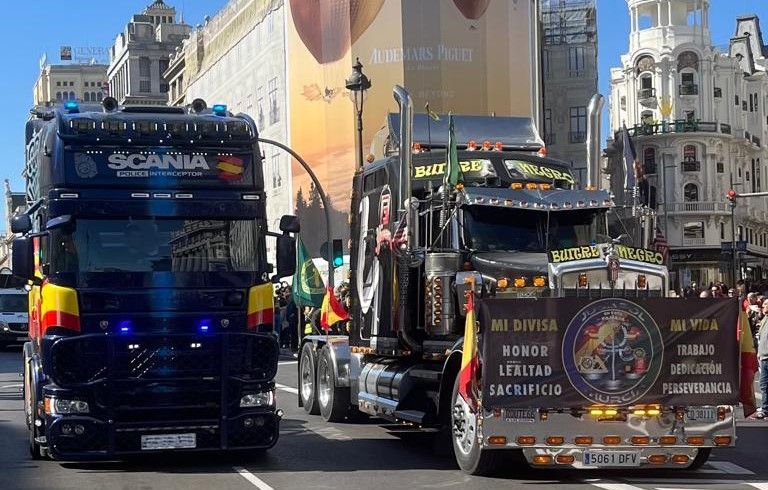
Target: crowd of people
[[289, 316], [753, 300]]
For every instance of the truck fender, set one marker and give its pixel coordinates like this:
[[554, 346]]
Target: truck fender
[[338, 348], [451, 368]]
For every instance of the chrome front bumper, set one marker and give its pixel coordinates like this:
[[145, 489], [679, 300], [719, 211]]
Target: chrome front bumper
[[555, 434]]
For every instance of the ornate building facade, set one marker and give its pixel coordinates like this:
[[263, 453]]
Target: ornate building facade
[[697, 115]]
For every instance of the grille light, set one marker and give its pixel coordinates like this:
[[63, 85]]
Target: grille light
[[61, 406], [263, 399]]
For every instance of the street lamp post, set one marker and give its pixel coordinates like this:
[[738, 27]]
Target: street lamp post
[[357, 84], [323, 199]]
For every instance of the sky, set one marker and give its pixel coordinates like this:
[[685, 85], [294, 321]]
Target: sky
[[34, 27]]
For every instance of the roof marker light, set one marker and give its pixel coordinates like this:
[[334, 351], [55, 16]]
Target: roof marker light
[[472, 145], [219, 109]]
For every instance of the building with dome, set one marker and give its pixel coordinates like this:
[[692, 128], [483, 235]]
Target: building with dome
[[697, 116], [141, 55]]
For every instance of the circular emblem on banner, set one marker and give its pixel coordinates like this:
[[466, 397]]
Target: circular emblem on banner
[[612, 352]]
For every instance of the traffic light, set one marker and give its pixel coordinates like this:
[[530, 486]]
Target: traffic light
[[338, 253], [732, 195]]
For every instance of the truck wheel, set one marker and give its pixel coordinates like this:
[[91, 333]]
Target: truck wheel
[[35, 450], [470, 457], [333, 400], [308, 373], [701, 457]]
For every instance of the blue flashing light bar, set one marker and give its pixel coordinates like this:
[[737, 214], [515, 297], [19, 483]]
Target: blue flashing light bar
[[219, 109], [204, 326], [72, 107]]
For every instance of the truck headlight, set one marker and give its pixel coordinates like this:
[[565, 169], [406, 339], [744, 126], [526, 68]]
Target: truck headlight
[[263, 399], [60, 406]]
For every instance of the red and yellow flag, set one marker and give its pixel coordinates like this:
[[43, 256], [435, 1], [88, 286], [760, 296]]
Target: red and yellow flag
[[749, 365], [469, 360], [331, 312]]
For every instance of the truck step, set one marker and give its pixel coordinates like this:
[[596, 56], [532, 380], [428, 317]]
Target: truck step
[[414, 416]]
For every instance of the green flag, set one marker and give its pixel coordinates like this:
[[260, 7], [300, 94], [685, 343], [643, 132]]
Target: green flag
[[308, 287], [453, 176]]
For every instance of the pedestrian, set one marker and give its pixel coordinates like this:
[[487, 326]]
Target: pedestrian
[[705, 294], [731, 293], [762, 356]]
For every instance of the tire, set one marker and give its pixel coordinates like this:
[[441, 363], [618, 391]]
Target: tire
[[333, 400], [35, 449], [470, 457], [701, 457], [308, 379]]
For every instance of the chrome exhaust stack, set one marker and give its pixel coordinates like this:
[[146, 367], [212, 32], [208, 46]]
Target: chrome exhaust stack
[[594, 118], [405, 102]]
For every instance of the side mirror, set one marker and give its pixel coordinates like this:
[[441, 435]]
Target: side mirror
[[22, 258], [21, 223], [289, 224], [286, 256], [62, 221]]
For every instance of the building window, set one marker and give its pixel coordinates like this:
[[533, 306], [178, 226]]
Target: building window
[[718, 93], [737, 100], [260, 114], [87, 96], [575, 61], [549, 134], [58, 96], [740, 233], [274, 108], [722, 231], [144, 67], [691, 193], [578, 117], [58, 84], [72, 96], [693, 230], [144, 86], [277, 178], [649, 160], [690, 160], [720, 167], [164, 88], [690, 116], [163, 66], [99, 96]]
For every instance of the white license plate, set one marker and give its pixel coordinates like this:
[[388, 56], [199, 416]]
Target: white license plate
[[519, 415], [617, 458], [701, 414], [158, 442]]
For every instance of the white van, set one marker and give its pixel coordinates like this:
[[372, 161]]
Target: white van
[[14, 316]]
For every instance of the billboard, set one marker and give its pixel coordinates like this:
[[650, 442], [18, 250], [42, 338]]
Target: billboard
[[571, 352], [477, 57]]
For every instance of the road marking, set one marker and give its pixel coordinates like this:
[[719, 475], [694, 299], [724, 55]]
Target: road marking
[[286, 388], [255, 480], [330, 433], [760, 485], [285, 363], [730, 468], [615, 486]]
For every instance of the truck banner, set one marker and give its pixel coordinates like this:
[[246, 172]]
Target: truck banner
[[570, 352], [159, 168]]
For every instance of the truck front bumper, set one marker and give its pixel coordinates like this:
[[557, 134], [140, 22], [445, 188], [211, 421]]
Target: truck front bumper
[[73, 437], [568, 440]]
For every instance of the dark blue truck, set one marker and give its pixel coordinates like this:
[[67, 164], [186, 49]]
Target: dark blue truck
[[151, 302]]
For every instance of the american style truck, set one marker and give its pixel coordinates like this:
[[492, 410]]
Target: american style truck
[[582, 359], [150, 310]]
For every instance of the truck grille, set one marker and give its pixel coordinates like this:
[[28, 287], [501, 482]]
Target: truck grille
[[611, 293]]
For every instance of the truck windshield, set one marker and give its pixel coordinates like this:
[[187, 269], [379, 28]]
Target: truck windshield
[[489, 229], [156, 245], [16, 303]]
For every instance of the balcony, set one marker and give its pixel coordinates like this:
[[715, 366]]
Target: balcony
[[646, 93], [577, 137], [689, 89], [694, 242], [679, 126], [691, 166], [695, 207]]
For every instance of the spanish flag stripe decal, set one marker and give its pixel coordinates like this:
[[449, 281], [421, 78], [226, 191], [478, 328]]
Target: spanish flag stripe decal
[[228, 167]]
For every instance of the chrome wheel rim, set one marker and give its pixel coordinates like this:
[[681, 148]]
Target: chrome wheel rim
[[464, 426], [306, 378], [324, 384]]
